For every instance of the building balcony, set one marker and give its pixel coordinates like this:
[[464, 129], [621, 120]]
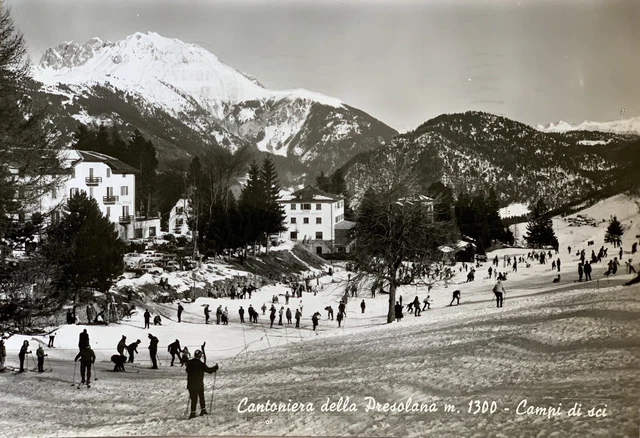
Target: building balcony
[[93, 180], [109, 200], [125, 219]]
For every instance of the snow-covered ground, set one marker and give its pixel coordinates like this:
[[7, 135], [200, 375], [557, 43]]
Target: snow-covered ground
[[551, 343]]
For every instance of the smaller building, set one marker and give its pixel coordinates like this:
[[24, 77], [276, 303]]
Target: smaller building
[[179, 218]]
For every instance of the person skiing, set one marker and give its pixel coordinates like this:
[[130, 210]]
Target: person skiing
[[499, 292], [264, 308], [195, 381], [83, 340], [218, 314], [52, 336], [329, 310], [416, 306], [185, 356], [427, 303], [180, 310], [153, 351], [298, 316], [587, 271], [398, 311], [119, 361], [288, 315], [87, 359], [147, 318], [314, 320], [286, 298], [174, 350], [241, 313], [40, 355], [342, 308], [580, 271], [272, 314], [339, 319], [280, 313], [363, 306], [132, 348], [456, 297], [122, 345], [24, 350], [206, 314], [3, 355], [558, 264]]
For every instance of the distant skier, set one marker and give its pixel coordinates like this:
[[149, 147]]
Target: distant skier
[[186, 356], [218, 314], [87, 359], [180, 310], [40, 355], [264, 308], [363, 306], [339, 318], [298, 316], [427, 303], [580, 271], [83, 340], [153, 351], [195, 382], [456, 297], [122, 345], [133, 350], [174, 350], [416, 306], [329, 310], [52, 336], [398, 311], [314, 319], [558, 264], [24, 350], [119, 360], [206, 314], [157, 320], [147, 319], [280, 314], [272, 314], [288, 315], [241, 313], [499, 292]]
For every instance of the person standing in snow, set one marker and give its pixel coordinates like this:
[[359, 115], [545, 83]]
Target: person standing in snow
[[427, 303], [40, 355], [180, 310], [133, 350], [580, 271], [339, 319], [286, 298], [52, 336], [264, 308], [153, 351], [225, 317], [195, 382], [280, 313], [87, 359], [122, 345], [416, 306], [288, 315], [83, 340], [329, 310], [206, 314], [587, 271], [24, 350], [298, 316], [314, 320], [147, 318], [456, 296], [398, 311], [558, 264], [241, 313], [499, 292], [272, 315], [363, 306], [185, 356], [218, 314], [174, 350]]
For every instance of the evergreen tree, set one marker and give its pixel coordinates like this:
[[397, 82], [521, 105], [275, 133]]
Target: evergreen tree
[[274, 214], [540, 228], [142, 155], [494, 222], [615, 230], [443, 201], [323, 183], [252, 205], [85, 248]]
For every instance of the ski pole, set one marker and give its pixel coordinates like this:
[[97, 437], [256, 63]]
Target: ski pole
[[213, 389], [188, 402], [49, 363], [75, 365], [95, 371]]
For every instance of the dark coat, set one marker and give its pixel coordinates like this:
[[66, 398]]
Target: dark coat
[[86, 356], [195, 373], [153, 343], [174, 348], [83, 340]]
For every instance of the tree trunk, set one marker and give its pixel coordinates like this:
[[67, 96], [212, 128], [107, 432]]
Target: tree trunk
[[391, 315]]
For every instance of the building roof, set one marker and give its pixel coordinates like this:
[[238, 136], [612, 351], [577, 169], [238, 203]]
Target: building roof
[[311, 194], [345, 225], [114, 164]]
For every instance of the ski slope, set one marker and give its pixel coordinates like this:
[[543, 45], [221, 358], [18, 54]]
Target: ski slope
[[551, 343]]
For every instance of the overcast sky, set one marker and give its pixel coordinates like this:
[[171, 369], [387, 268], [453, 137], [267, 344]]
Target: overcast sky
[[402, 61]]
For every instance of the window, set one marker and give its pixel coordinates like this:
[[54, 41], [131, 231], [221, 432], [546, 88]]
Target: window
[[179, 222], [293, 220], [318, 235], [293, 235], [109, 191], [124, 190], [108, 211], [318, 206], [125, 210], [305, 220], [108, 172], [318, 220], [124, 175], [138, 233], [179, 210], [306, 206], [318, 250], [293, 206], [152, 231]]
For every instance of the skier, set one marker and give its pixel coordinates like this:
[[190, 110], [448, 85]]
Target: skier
[[329, 310], [147, 318], [280, 313], [398, 311], [157, 320], [132, 348], [580, 271], [241, 312], [298, 316], [314, 320], [195, 381], [206, 314], [515, 265], [52, 336], [3, 355], [174, 350], [342, 309], [272, 315], [40, 354], [89, 314], [416, 306], [456, 297], [264, 308], [180, 310], [225, 317], [427, 303], [218, 314], [286, 298], [363, 306], [558, 265], [288, 315], [83, 340], [119, 361], [339, 318], [122, 345], [87, 359], [499, 292], [185, 356], [24, 350], [153, 351]]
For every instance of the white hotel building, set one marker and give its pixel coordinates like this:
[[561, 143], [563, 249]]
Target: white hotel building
[[311, 218], [111, 183]]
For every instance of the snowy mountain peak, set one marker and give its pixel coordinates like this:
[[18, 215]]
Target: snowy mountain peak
[[624, 126]]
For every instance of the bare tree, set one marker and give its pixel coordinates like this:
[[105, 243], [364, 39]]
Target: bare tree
[[397, 235]]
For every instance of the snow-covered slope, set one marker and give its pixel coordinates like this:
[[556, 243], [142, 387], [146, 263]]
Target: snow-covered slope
[[624, 126], [184, 81]]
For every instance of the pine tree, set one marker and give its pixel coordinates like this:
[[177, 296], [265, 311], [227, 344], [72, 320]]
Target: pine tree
[[615, 230], [540, 228], [323, 183], [253, 205], [274, 214]]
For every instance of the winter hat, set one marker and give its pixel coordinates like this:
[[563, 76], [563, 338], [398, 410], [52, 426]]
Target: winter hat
[[197, 354]]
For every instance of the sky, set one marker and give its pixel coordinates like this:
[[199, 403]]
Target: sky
[[402, 61]]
